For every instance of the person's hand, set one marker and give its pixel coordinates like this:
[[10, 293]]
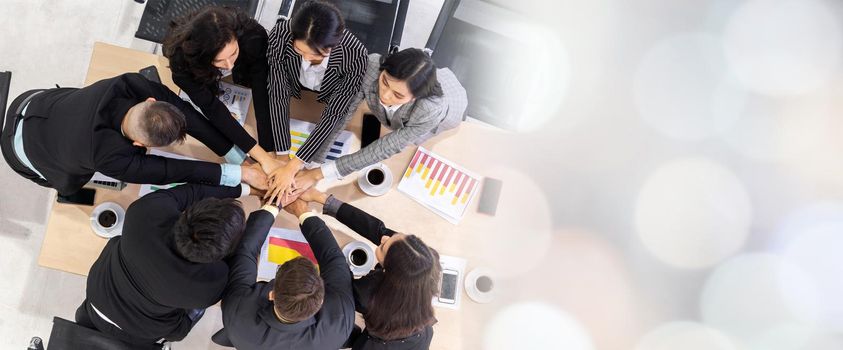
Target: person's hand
[[296, 207], [314, 195], [281, 183], [254, 177], [306, 179], [256, 192], [270, 164]]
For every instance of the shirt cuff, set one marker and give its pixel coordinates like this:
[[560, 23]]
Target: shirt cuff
[[330, 173], [230, 175], [245, 190], [271, 209], [332, 206], [235, 156], [304, 217]]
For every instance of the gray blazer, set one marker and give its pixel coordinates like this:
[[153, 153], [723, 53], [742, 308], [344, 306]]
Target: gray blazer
[[412, 123]]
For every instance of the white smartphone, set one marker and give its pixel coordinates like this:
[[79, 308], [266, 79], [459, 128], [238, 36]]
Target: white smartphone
[[448, 286]]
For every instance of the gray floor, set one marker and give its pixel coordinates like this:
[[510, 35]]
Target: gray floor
[[46, 43]]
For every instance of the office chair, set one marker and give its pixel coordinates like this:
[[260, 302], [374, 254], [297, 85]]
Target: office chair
[[68, 335], [157, 15], [378, 24], [5, 84], [445, 14]]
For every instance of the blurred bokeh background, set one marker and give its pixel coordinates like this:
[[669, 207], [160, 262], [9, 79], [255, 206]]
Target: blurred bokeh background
[[681, 161], [689, 157]]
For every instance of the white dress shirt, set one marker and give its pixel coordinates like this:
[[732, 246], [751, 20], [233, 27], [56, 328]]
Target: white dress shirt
[[390, 110], [311, 76]]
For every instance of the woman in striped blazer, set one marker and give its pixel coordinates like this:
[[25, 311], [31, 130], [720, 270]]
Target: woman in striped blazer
[[312, 51], [408, 95]]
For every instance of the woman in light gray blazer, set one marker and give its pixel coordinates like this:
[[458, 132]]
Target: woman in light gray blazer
[[408, 95]]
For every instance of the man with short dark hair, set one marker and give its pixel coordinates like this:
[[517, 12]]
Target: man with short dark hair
[[155, 280], [59, 137], [309, 308]]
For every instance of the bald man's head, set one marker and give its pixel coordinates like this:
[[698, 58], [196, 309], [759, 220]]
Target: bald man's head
[[155, 124]]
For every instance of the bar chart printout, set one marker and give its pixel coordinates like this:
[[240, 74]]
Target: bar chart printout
[[301, 130], [439, 184], [282, 245]]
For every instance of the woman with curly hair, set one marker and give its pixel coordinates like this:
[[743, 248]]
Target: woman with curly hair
[[213, 43]]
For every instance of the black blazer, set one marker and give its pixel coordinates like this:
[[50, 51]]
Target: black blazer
[[343, 79], [141, 283], [71, 133], [373, 229], [250, 70], [247, 313]]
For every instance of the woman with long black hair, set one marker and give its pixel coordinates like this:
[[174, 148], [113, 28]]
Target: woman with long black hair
[[395, 297], [205, 47]]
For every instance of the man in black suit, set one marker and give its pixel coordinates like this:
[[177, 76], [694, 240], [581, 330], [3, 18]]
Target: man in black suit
[[59, 137], [302, 308], [155, 280]]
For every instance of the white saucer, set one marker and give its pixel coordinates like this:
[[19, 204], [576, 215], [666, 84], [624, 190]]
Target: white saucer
[[359, 270], [471, 286], [111, 232], [375, 191]]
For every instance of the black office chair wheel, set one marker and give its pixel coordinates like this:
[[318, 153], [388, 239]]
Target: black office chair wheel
[[36, 344]]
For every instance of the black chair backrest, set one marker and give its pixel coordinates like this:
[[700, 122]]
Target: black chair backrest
[[445, 14], [379, 24], [157, 15], [5, 84], [67, 335]]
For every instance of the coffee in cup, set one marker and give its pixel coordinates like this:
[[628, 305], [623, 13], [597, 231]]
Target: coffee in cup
[[375, 176], [107, 219], [359, 257], [484, 284]]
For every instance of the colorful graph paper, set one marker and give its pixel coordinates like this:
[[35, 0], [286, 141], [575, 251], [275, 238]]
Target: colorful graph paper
[[439, 184], [300, 131], [235, 97], [282, 245]]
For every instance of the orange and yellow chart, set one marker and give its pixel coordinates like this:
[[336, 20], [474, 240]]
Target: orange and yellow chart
[[282, 245], [439, 184]]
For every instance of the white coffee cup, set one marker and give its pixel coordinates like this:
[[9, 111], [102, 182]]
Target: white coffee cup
[[360, 257], [375, 180], [107, 219]]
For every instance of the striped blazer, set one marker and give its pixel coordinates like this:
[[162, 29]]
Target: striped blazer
[[342, 82]]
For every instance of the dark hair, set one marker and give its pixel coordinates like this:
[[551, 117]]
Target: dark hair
[[195, 40], [416, 68], [401, 304], [319, 24], [298, 290], [162, 123], [209, 230]]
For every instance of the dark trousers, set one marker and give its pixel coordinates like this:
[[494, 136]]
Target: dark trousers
[[7, 141]]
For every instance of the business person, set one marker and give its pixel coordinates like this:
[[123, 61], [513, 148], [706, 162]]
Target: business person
[[154, 282], [394, 298], [303, 307], [313, 51], [407, 94], [59, 137], [213, 43]]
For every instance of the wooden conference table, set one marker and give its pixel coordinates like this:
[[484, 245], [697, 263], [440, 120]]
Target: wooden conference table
[[70, 245]]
